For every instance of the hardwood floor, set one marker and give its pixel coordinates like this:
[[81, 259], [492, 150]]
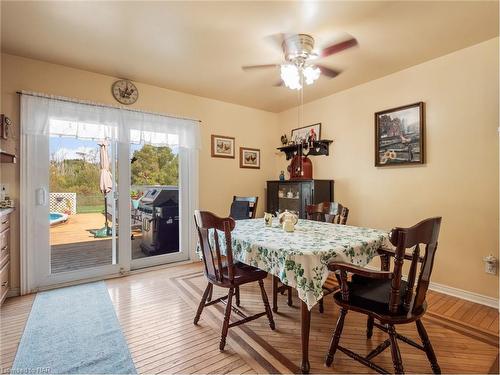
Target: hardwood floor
[[156, 309], [13, 316]]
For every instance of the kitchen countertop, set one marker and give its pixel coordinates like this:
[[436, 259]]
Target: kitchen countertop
[[6, 211]]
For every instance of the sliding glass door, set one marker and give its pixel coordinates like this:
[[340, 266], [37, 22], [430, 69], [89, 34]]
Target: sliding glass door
[[69, 222], [156, 199], [100, 200], [82, 212]]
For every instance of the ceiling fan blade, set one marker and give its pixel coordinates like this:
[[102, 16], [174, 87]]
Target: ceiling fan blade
[[263, 66], [331, 73], [338, 47]]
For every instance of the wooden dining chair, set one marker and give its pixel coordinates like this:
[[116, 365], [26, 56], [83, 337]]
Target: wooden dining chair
[[384, 296], [240, 210], [223, 272], [252, 203], [330, 212]]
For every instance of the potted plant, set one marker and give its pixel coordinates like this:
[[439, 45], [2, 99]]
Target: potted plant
[[135, 197]]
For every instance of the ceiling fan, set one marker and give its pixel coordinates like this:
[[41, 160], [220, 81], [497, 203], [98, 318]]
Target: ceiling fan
[[298, 50]]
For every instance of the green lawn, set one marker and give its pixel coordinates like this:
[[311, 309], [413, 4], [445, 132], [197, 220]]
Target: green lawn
[[89, 209]]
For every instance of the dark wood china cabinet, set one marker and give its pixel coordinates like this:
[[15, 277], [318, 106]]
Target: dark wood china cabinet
[[296, 195]]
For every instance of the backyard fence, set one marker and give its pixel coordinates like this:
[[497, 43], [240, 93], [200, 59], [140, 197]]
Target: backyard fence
[[63, 202]]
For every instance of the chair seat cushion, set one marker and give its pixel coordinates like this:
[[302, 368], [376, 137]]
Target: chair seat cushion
[[244, 273], [372, 294]]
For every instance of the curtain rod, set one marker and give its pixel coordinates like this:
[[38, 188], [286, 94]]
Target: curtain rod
[[86, 102]]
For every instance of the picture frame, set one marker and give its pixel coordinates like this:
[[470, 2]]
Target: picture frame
[[300, 135], [223, 146], [249, 158], [400, 135]]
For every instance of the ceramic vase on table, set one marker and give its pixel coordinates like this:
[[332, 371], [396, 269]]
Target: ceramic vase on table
[[268, 219], [288, 225], [288, 220]]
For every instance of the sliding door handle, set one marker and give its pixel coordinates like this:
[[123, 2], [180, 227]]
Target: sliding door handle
[[41, 196]]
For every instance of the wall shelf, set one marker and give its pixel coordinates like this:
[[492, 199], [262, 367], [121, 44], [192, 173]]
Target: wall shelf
[[320, 147], [6, 157]]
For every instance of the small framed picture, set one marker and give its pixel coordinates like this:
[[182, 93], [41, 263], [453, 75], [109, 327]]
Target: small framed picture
[[222, 146], [249, 157], [399, 135], [301, 135]]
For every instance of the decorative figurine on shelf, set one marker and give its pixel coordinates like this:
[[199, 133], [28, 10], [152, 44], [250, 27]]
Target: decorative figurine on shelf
[[312, 137], [282, 176], [284, 140]]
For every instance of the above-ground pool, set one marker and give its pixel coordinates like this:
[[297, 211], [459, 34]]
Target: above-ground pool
[[56, 218]]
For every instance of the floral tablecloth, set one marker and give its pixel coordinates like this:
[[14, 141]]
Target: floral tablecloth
[[300, 258]]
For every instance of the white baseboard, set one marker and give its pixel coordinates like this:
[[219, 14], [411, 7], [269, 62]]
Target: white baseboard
[[459, 293], [465, 294], [13, 292]]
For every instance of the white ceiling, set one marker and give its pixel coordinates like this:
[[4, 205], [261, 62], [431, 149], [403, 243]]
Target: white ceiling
[[199, 47]]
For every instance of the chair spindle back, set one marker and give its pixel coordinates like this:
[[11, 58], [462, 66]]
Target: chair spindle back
[[207, 225], [426, 233], [330, 212]]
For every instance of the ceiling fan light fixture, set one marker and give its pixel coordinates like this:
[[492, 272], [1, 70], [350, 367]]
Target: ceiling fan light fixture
[[299, 55], [311, 74], [291, 76]]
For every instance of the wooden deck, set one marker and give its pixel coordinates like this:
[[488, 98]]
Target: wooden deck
[[156, 311], [76, 229], [74, 247]]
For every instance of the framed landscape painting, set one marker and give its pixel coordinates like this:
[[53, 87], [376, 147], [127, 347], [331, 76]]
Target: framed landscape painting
[[399, 135], [222, 146], [249, 157]]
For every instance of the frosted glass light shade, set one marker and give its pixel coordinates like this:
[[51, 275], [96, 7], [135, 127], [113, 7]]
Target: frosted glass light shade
[[291, 76], [311, 74]]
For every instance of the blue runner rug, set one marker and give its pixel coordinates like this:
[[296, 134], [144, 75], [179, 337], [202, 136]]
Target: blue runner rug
[[73, 330]]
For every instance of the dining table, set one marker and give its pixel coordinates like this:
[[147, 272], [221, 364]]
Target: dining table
[[300, 258]]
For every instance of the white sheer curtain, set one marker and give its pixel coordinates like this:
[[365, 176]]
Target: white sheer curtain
[[42, 115]]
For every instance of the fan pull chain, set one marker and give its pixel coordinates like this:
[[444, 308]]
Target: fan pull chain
[[301, 121]]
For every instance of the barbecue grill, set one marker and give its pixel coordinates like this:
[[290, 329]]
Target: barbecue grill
[[160, 220]]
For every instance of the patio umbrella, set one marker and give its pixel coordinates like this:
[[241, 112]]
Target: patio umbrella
[[106, 181]]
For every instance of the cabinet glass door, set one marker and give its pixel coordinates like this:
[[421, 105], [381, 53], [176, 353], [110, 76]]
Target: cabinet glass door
[[289, 196]]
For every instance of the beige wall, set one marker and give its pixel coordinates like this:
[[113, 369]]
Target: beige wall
[[460, 178], [220, 178]]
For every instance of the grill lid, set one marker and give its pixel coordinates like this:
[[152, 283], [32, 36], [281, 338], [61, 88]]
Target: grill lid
[[160, 196]]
